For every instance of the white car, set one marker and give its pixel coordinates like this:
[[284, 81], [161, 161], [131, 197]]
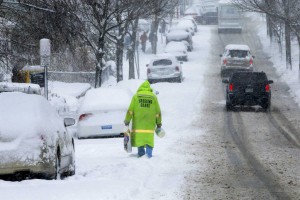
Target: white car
[[236, 57], [164, 67], [178, 49], [34, 141], [102, 112], [180, 35]]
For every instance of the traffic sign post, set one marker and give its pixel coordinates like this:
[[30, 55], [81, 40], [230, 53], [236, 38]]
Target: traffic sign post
[[45, 53]]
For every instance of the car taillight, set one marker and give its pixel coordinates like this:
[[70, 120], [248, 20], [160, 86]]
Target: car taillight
[[177, 68], [251, 61], [267, 88], [231, 87], [148, 71], [83, 116], [225, 62]]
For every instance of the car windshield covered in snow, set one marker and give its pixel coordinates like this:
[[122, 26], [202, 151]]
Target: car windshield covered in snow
[[238, 53], [162, 62]]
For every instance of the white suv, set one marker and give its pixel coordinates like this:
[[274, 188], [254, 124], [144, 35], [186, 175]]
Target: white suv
[[236, 57]]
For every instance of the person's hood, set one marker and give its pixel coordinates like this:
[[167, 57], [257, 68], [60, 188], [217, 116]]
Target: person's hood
[[145, 87]]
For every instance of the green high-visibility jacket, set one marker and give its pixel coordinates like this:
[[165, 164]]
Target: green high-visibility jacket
[[144, 111]]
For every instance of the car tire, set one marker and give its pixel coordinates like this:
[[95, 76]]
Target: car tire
[[58, 175], [72, 167], [228, 106], [266, 106]]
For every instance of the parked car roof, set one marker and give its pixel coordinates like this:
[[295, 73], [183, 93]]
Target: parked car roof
[[237, 47], [110, 98], [178, 35], [23, 114]]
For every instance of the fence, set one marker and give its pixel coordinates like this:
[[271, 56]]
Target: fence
[[81, 77]]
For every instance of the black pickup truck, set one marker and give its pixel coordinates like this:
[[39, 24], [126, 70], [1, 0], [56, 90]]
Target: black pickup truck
[[248, 89]]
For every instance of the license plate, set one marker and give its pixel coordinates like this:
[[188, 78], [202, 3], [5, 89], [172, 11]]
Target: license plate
[[164, 72], [249, 90], [106, 127]]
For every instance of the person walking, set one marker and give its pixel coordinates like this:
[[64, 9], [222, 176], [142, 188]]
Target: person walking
[[144, 111], [143, 39]]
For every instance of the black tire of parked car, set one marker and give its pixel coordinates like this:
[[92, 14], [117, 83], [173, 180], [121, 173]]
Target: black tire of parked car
[[72, 166], [58, 175]]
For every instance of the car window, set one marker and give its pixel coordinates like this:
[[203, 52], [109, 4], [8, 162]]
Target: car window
[[162, 62], [248, 77], [238, 53]]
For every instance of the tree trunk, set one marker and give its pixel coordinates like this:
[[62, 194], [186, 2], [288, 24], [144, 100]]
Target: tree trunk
[[99, 66], [119, 58], [288, 50], [131, 50], [154, 28]]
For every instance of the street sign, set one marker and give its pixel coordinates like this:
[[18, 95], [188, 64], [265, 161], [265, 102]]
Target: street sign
[[38, 78]]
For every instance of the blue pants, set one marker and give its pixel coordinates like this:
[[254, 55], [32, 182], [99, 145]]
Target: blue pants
[[141, 151]]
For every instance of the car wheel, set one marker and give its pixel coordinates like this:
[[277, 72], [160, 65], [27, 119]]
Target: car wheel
[[72, 166], [228, 106], [266, 106], [58, 175]]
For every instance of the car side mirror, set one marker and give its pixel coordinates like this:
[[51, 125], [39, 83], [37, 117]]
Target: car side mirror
[[147, 65], [69, 122], [225, 81], [271, 81], [253, 56], [220, 55]]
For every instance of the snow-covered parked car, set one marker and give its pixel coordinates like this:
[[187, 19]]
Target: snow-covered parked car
[[33, 138], [164, 67], [178, 49], [102, 112], [180, 35], [187, 24], [190, 18]]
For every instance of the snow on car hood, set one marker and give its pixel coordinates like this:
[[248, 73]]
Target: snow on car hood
[[26, 115]]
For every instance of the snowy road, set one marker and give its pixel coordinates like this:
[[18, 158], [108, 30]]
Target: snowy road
[[207, 153], [250, 154]]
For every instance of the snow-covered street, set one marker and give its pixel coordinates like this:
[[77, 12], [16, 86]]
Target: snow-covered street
[[207, 153]]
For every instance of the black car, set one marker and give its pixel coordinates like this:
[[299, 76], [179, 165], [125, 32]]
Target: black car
[[249, 89]]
